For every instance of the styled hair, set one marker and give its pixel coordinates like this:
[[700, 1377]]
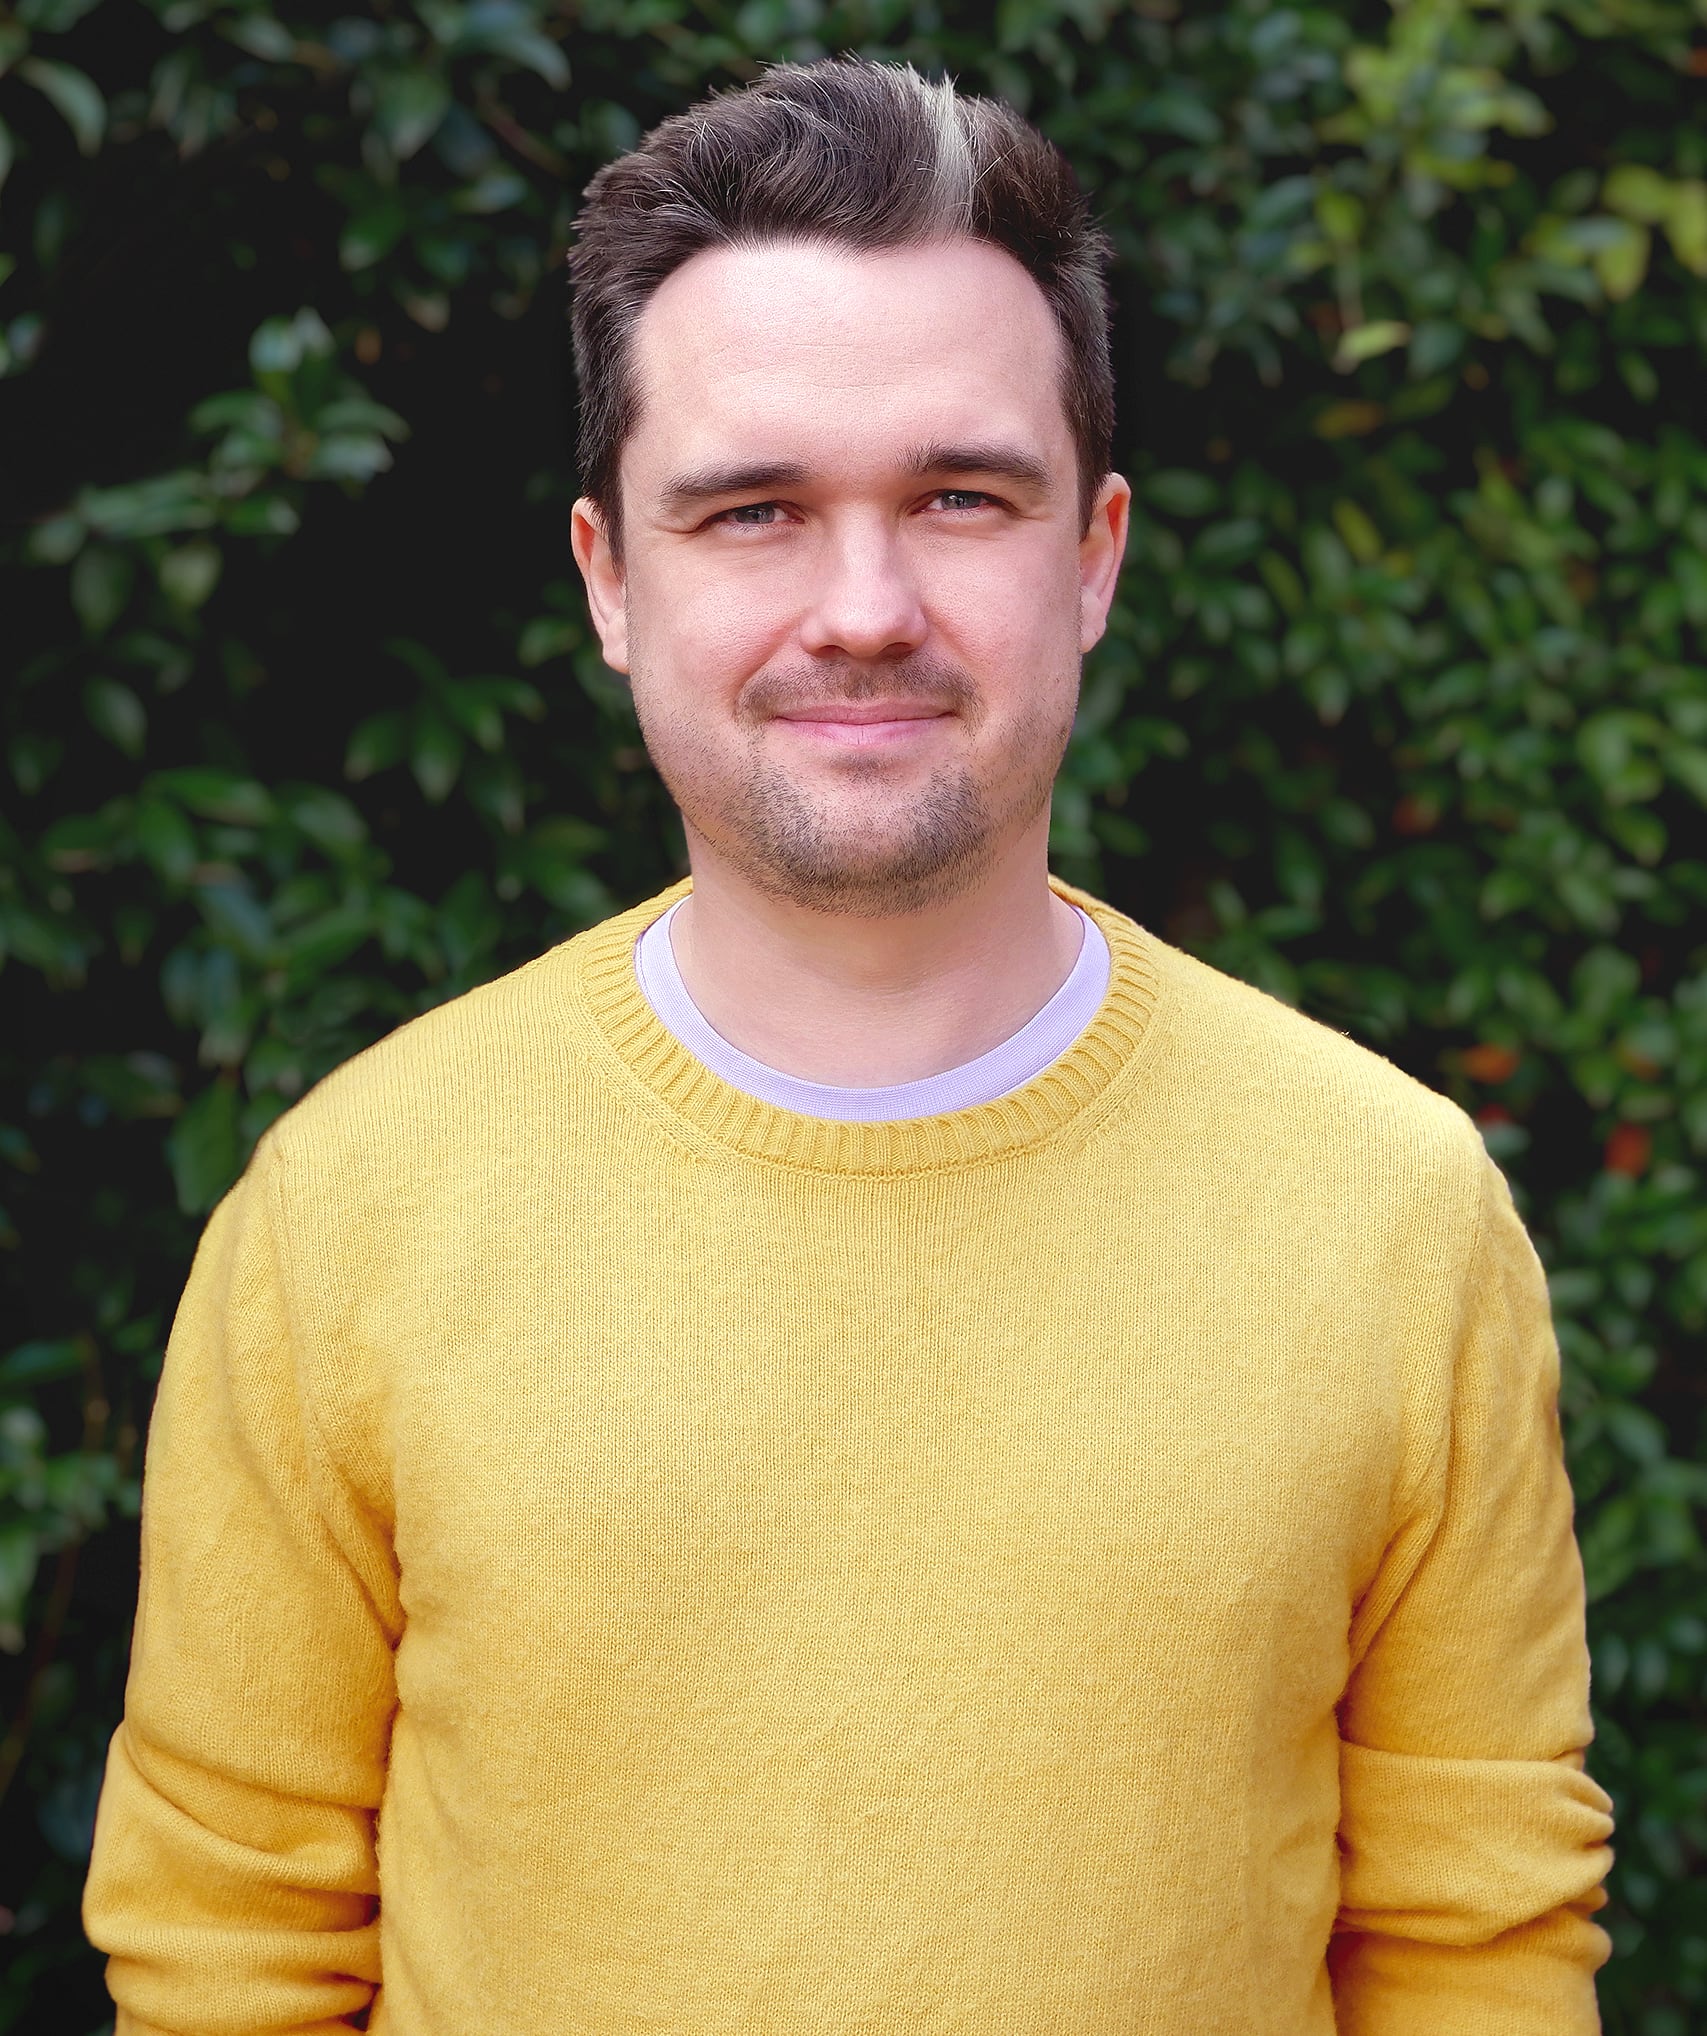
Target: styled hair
[[849, 152]]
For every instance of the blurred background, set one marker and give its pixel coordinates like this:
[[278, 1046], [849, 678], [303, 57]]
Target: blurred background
[[1403, 714]]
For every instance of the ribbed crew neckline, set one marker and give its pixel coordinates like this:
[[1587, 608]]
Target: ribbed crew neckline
[[703, 1102], [1005, 1067]]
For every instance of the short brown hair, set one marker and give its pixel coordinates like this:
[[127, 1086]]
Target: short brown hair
[[856, 153]]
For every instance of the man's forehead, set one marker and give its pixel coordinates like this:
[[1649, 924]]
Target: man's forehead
[[797, 341], [826, 287]]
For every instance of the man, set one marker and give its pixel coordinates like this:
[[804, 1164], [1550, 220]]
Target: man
[[865, 1446]]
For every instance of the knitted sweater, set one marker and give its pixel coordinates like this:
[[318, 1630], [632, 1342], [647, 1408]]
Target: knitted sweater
[[621, 1557]]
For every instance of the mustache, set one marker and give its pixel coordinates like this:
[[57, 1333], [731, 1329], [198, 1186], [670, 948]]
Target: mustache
[[789, 688]]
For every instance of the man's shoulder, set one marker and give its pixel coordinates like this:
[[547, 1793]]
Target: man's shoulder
[[503, 1051], [1276, 1078]]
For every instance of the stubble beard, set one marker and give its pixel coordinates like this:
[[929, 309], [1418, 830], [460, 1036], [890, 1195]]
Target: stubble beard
[[898, 853]]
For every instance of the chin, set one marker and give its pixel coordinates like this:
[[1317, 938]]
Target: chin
[[864, 894], [908, 870]]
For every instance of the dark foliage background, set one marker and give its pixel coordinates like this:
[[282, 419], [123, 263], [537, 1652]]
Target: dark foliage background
[[1403, 714]]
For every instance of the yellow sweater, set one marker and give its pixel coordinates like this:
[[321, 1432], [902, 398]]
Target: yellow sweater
[[620, 1557]]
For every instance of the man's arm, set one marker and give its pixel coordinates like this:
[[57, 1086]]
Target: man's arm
[[233, 1879], [1473, 1842]]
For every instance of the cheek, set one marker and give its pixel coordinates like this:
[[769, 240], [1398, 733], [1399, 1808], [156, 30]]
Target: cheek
[[1017, 632], [1004, 596], [699, 639]]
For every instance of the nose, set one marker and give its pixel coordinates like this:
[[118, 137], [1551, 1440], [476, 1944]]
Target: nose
[[865, 601]]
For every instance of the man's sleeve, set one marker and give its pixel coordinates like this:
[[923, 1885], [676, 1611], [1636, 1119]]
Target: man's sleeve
[[233, 1881], [1473, 1844]]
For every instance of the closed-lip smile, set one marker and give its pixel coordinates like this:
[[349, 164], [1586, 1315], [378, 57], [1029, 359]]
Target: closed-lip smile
[[864, 724], [862, 713]]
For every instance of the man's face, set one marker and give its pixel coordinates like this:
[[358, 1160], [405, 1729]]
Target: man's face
[[855, 588]]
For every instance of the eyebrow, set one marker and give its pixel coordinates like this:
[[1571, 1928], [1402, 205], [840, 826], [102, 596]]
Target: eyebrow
[[737, 477], [1012, 462], [757, 477]]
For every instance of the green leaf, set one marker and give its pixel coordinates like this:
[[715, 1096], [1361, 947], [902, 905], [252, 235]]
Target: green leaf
[[156, 507], [262, 35], [427, 665], [372, 234], [166, 838], [1686, 225], [1339, 214], [1637, 1432], [100, 586], [1607, 742], [1602, 981], [408, 107], [58, 539], [33, 1364], [218, 795], [327, 818], [474, 711], [495, 190], [1688, 764], [1354, 419], [240, 921], [8, 153], [1180, 111], [1362, 538], [1436, 344], [74, 96], [34, 759], [547, 636], [1365, 342], [446, 20], [79, 841], [320, 944], [1281, 578], [263, 516], [246, 409], [360, 413], [447, 257], [533, 52], [115, 712], [20, 1556], [1622, 261], [189, 573], [436, 756], [350, 456], [376, 744], [280, 345], [55, 17], [1634, 191], [204, 1149], [276, 347], [1178, 492]]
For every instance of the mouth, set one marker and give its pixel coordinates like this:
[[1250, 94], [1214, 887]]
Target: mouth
[[864, 724]]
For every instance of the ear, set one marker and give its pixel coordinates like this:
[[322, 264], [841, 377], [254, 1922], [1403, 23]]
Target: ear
[[605, 581], [1100, 551]]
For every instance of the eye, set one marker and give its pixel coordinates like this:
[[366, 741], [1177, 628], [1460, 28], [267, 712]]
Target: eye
[[962, 499], [751, 515]]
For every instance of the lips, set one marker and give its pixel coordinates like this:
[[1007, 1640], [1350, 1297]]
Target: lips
[[863, 713], [864, 726]]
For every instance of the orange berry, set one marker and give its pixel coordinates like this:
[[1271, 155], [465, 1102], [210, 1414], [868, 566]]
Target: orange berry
[[1628, 1150], [1487, 1063]]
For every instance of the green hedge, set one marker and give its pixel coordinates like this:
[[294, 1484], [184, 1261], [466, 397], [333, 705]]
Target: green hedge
[[1403, 714]]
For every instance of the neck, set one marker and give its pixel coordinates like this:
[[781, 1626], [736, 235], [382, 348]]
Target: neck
[[865, 1002]]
